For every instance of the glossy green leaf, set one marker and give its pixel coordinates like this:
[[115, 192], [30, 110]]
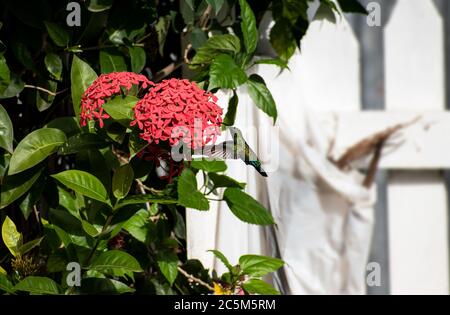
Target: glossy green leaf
[[225, 73], [162, 27], [168, 264], [216, 4], [222, 258], [209, 166], [90, 229], [283, 40], [58, 34], [11, 237], [81, 76], [230, 116], [248, 26], [257, 286], [25, 248], [226, 43], [5, 75], [140, 226], [54, 65], [15, 86], [99, 5], [69, 125], [116, 263], [17, 185], [5, 284], [83, 183], [259, 266], [122, 180], [6, 131], [141, 199], [261, 95], [188, 195], [121, 108], [82, 142], [225, 181], [34, 148], [38, 285], [43, 99], [138, 58], [112, 61], [273, 61], [104, 286], [246, 208]]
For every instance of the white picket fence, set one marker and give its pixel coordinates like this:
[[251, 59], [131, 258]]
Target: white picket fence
[[414, 84]]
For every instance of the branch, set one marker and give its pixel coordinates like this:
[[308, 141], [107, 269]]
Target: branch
[[43, 89], [194, 279]]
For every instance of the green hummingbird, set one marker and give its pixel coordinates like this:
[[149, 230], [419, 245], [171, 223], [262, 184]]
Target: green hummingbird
[[237, 148]]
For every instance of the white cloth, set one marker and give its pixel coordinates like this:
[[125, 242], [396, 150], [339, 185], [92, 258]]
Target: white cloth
[[324, 217]]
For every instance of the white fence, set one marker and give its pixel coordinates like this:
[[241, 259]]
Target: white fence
[[414, 84]]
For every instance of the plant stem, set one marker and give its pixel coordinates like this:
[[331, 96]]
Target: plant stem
[[194, 279]]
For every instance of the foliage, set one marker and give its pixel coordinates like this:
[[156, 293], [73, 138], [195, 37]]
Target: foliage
[[86, 194]]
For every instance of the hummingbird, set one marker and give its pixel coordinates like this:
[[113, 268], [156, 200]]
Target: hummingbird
[[237, 148]]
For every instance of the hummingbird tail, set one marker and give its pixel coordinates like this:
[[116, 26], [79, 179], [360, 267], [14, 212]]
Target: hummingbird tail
[[258, 167]]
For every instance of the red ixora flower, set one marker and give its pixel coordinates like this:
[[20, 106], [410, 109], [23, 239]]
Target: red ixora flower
[[107, 85], [175, 110]]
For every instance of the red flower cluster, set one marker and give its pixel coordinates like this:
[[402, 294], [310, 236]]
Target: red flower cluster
[[177, 110], [107, 85]]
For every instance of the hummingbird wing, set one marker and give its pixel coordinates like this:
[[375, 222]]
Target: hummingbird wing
[[222, 151]]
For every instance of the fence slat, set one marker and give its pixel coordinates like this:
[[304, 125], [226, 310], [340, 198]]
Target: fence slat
[[414, 69]]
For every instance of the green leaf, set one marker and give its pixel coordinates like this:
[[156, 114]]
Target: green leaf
[[209, 166], [248, 26], [15, 86], [112, 61], [5, 284], [15, 186], [81, 76], [140, 227], [99, 5], [54, 65], [283, 40], [162, 27], [5, 75], [90, 229], [225, 181], [168, 264], [188, 195], [6, 131], [222, 258], [259, 266], [58, 34], [69, 125], [352, 6], [141, 199], [197, 38], [38, 285], [138, 58], [122, 180], [187, 11], [261, 95], [83, 183], [273, 61], [225, 73], [246, 208], [116, 263], [136, 144], [82, 142], [25, 248], [11, 237], [104, 286], [43, 99], [216, 4], [34, 148], [121, 109], [257, 286], [230, 116], [226, 43]]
